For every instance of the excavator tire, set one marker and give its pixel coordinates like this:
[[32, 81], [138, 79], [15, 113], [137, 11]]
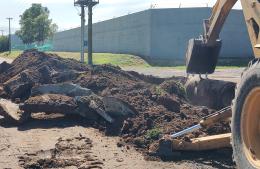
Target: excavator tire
[[245, 123]]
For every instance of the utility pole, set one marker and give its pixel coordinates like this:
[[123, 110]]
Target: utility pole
[[82, 58], [90, 4], [9, 38], [90, 60]]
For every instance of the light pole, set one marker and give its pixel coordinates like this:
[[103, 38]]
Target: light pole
[[90, 4], [9, 38], [82, 58], [90, 60]]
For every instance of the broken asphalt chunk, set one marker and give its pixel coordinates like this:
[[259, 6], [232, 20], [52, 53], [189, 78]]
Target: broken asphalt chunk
[[11, 112], [68, 89], [117, 107], [50, 103]]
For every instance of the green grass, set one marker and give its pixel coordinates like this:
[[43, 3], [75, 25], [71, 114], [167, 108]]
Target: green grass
[[228, 67], [13, 54], [153, 134], [122, 60], [218, 67]]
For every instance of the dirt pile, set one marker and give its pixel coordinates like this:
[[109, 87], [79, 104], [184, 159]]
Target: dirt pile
[[159, 104], [72, 152]]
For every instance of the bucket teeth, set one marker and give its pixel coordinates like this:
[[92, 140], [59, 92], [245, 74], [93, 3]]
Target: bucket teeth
[[200, 58]]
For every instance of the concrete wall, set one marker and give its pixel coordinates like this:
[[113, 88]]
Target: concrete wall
[[172, 28], [16, 41], [68, 41], [130, 34], [159, 35], [235, 39]]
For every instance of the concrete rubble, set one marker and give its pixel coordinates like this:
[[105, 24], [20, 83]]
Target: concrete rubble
[[11, 112], [66, 99], [68, 89]]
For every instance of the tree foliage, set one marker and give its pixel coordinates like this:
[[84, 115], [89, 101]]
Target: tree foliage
[[4, 45], [36, 26]]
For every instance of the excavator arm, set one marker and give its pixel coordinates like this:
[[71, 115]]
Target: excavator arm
[[202, 53], [213, 25], [251, 9]]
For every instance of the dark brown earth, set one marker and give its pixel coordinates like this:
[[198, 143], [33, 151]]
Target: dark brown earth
[[50, 103], [69, 152], [160, 104]]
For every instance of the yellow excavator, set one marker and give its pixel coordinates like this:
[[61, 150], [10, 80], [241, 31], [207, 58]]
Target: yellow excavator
[[201, 58]]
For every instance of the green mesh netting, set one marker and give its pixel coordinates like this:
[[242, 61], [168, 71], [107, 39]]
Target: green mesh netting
[[47, 46]]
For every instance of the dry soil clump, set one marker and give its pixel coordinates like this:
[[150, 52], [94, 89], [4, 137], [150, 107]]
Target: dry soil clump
[[71, 152]]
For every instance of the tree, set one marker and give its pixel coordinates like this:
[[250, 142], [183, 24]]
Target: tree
[[36, 25], [4, 43]]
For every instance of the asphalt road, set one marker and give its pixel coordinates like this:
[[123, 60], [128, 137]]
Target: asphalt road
[[232, 74]]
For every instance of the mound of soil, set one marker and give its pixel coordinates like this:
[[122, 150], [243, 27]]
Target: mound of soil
[[160, 105], [173, 87]]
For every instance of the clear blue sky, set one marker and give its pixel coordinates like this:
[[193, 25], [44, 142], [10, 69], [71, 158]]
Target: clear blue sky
[[66, 16]]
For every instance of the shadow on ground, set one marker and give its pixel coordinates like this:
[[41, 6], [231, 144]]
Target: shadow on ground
[[48, 122], [221, 159]]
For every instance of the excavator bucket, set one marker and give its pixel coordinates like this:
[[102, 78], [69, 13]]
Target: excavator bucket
[[201, 59]]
